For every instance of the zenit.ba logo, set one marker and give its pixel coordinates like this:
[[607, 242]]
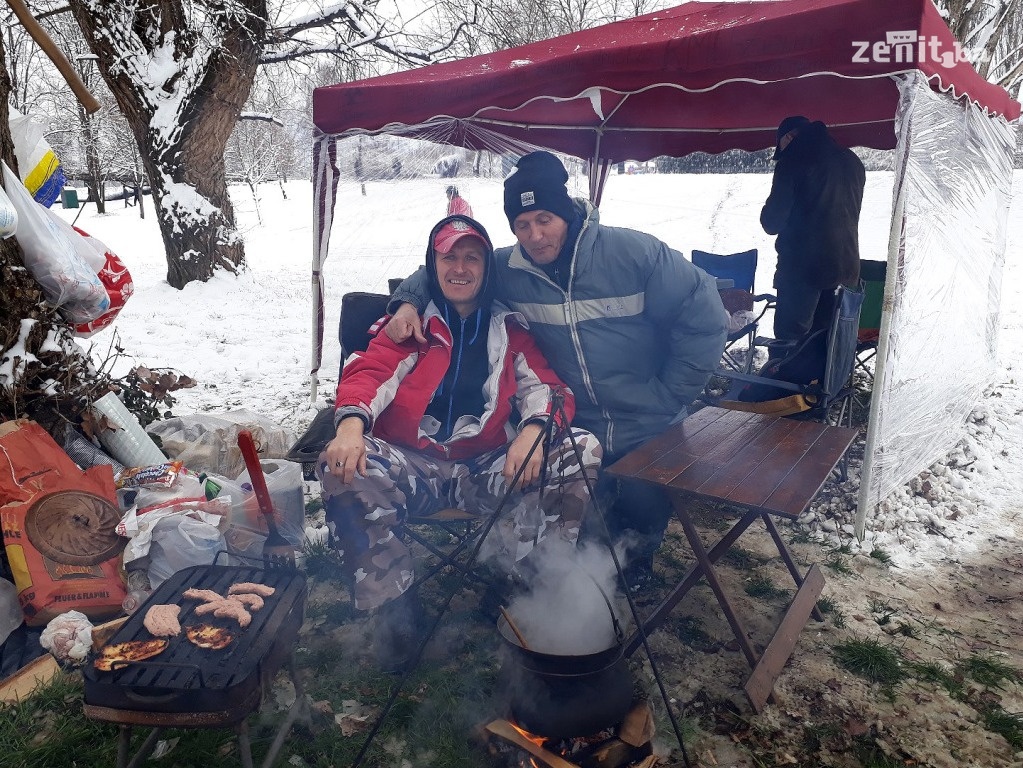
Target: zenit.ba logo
[[908, 47]]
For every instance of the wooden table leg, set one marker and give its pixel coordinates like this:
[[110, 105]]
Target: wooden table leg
[[692, 576], [708, 573], [789, 562], [760, 685]]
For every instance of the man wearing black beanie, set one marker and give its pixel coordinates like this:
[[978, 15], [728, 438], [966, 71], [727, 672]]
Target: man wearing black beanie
[[814, 209], [628, 323]]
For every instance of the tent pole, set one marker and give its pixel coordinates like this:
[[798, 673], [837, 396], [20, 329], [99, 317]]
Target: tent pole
[[896, 249], [596, 174], [325, 176]]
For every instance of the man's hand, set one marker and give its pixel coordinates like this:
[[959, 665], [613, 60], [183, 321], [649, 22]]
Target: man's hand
[[346, 453], [516, 457], [405, 323]]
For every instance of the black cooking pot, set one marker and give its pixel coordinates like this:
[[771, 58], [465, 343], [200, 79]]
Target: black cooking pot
[[561, 696]]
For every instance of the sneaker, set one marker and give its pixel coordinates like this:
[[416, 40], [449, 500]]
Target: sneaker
[[397, 632]]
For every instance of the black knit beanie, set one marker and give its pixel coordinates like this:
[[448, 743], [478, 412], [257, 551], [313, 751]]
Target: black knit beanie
[[538, 184]]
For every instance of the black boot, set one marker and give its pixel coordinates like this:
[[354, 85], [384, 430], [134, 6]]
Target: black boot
[[397, 632]]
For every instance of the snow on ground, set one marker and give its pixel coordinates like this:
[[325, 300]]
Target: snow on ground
[[247, 338]]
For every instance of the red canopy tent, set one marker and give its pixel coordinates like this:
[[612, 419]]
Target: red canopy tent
[[701, 76], [704, 76]]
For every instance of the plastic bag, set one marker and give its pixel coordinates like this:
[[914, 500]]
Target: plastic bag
[[209, 442], [8, 216], [66, 278], [68, 637], [40, 169], [181, 541], [284, 482], [139, 527], [116, 279]]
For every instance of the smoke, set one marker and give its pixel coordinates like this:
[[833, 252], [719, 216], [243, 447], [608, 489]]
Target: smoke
[[568, 610]]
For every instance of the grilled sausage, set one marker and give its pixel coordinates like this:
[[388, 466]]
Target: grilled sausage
[[252, 588], [208, 595], [229, 609], [251, 602]]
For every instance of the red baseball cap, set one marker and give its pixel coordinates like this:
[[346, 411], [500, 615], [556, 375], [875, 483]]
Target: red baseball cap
[[452, 232]]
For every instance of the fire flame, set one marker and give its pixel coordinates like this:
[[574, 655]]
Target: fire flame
[[538, 740]]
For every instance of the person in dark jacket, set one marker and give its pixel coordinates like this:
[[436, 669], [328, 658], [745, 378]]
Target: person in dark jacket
[[814, 209], [628, 322], [448, 422]]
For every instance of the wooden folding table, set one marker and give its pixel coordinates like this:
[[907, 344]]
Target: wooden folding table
[[759, 466]]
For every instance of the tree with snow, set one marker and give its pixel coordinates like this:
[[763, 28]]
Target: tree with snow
[[181, 71]]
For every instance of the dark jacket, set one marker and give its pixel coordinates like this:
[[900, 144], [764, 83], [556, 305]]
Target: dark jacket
[[814, 208]]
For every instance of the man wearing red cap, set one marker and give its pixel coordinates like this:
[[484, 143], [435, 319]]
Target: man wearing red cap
[[448, 421]]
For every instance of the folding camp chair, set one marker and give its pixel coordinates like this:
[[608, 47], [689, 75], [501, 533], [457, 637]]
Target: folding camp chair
[[873, 274], [812, 380], [739, 301]]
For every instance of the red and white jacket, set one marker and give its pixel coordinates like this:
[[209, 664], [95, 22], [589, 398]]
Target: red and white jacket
[[391, 385]]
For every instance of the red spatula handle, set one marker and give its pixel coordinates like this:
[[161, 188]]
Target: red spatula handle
[[248, 449]]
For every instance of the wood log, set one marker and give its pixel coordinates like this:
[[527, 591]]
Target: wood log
[[28, 21], [43, 670]]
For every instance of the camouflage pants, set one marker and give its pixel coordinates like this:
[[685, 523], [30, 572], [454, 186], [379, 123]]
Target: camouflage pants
[[400, 483]]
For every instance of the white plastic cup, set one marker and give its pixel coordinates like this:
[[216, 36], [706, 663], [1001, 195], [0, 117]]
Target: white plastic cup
[[129, 443]]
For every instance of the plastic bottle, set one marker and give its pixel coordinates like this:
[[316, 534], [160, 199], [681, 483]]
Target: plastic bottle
[[10, 609], [138, 591]]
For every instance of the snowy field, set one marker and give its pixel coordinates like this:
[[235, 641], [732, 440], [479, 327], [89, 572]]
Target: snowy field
[[247, 339]]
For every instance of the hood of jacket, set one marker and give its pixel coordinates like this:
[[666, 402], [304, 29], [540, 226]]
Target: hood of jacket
[[487, 291]]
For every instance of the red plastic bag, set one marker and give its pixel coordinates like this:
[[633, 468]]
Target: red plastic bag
[[118, 283], [58, 528]]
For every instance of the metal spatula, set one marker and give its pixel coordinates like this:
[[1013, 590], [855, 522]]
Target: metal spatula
[[278, 552]]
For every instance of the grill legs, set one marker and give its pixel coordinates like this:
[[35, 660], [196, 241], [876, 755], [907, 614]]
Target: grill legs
[[125, 760]]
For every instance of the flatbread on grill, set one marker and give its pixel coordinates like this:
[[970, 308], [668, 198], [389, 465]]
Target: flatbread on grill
[[209, 636], [127, 652]]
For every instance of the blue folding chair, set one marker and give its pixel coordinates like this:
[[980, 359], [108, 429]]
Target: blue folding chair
[[739, 301]]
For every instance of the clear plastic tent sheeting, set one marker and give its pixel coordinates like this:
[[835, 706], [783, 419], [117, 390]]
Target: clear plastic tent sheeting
[[939, 328]]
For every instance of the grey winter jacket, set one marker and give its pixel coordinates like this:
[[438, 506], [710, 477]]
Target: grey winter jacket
[[636, 335]]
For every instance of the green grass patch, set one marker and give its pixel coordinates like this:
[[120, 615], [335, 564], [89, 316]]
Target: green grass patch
[[937, 674], [741, 558], [838, 564], [989, 671], [760, 586], [1009, 725], [881, 556], [829, 607], [870, 659]]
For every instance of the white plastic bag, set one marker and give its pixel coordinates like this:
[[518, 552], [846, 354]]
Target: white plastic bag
[[66, 278], [181, 541], [68, 637], [208, 442], [41, 171], [8, 216]]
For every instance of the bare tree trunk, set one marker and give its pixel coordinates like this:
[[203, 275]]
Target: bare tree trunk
[[94, 180], [182, 124]]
